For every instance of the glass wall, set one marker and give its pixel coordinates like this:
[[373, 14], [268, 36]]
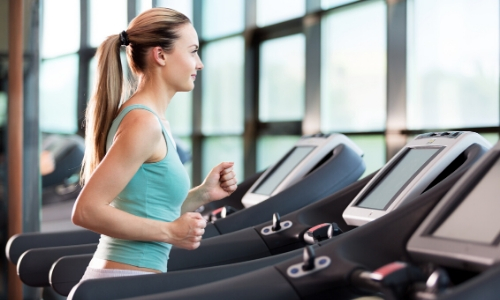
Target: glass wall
[[374, 153], [222, 17], [184, 6], [102, 23], [281, 87], [275, 11], [222, 103], [59, 69], [453, 64], [3, 109], [217, 149], [221, 100], [326, 4], [222, 95], [270, 149], [179, 115], [250, 100], [61, 28], [58, 94], [354, 76]]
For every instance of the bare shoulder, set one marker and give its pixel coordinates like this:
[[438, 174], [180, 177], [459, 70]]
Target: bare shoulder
[[140, 119], [139, 132]]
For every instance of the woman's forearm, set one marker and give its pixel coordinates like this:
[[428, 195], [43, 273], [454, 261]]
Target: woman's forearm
[[184, 232], [195, 198], [113, 222]]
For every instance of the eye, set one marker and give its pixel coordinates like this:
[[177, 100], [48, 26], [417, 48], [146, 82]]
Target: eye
[[195, 51]]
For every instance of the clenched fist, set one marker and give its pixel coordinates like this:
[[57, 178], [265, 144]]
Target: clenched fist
[[186, 231]]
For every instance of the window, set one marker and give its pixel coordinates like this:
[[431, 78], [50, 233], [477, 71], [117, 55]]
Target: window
[[61, 28], [453, 64], [353, 86], [59, 68], [180, 114], [270, 149], [222, 17], [275, 11], [222, 104], [281, 88], [491, 137], [223, 148], [184, 6], [106, 18], [222, 95], [58, 94], [3, 109], [143, 5], [326, 4], [374, 150], [452, 72]]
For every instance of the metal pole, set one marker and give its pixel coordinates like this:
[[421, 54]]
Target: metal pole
[[15, 135], [197, 134], [396, 76]]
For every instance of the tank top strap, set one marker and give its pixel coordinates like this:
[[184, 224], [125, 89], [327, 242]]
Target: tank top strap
[[116, 123]]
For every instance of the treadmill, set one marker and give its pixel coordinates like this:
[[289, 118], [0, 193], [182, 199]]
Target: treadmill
[[454, 251], [332, 162], [476, 147], [423, 162]]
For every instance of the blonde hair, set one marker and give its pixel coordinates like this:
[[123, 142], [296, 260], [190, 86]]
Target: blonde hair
[[152, 28]]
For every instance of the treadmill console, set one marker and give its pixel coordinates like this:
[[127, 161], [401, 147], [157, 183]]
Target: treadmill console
[[463, 230], [409, 173], [306, 154]]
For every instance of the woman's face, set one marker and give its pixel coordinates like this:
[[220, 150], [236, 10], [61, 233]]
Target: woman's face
[[183, 62]]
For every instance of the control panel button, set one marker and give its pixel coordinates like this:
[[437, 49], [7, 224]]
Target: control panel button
[[277, 225], [310, 265], [221, 213], [309, 257], [276, 222], [321, 232]]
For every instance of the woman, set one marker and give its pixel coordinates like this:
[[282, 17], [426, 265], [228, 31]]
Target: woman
[[136, 191]]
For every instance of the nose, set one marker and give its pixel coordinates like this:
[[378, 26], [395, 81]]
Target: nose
[[199, 64]]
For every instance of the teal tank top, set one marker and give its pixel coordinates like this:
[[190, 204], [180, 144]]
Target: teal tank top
[[157, 192]]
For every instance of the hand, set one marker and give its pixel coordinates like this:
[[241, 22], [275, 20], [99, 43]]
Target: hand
[[220, 182], [186, 231]]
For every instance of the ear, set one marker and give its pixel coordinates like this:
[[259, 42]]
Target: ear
[[159, 56]]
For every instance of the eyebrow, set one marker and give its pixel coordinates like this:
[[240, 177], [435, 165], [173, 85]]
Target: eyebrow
[[194, 45]]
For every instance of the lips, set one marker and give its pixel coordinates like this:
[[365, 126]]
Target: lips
[[193, 76]]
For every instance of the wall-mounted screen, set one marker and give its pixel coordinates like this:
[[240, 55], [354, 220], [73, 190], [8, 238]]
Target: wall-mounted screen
[[476, 218], [396, 179], [269, 184]]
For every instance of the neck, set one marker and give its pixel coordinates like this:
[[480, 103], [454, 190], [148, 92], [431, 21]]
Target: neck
[[153, 94]]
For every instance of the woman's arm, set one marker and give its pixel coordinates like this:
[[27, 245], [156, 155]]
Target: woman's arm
[[220, 183], [138, 140]]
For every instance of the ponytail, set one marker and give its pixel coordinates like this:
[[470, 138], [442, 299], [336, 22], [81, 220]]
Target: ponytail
[[104, 104]]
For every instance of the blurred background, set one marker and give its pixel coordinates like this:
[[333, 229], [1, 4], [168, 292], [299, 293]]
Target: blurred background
[[379, 71]]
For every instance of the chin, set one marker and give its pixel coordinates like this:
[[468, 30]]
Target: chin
[[186, 88], [190, 88]]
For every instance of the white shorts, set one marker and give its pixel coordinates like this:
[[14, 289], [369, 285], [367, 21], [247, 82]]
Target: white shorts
[[93, 273]]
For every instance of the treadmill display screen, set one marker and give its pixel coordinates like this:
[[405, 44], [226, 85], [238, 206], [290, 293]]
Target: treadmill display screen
[[276, 176], [476, 218], [396, 179]]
